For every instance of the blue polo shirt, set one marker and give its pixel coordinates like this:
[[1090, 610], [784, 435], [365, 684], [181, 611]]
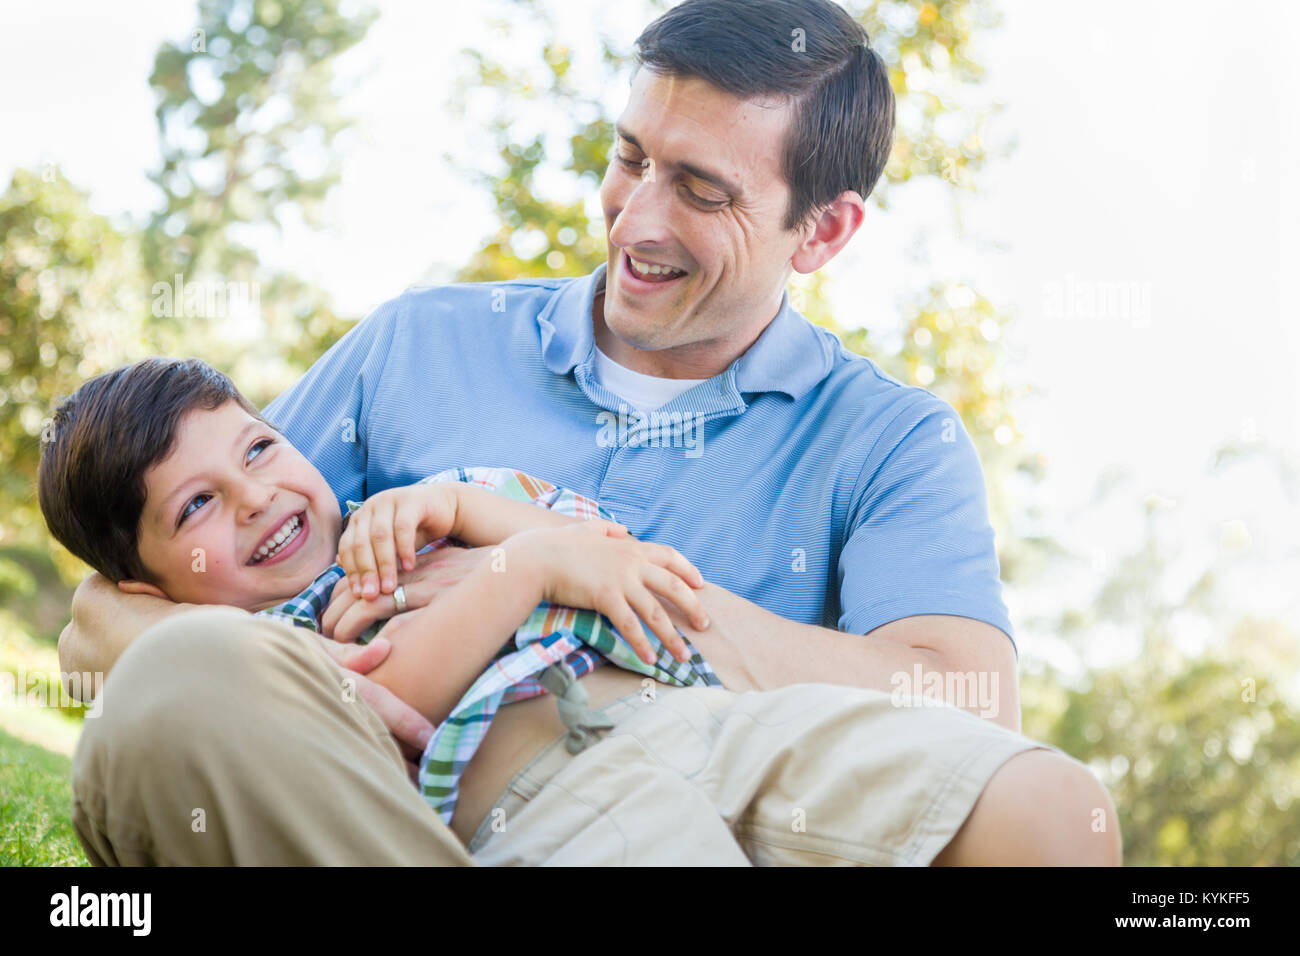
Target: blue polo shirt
[[802, 477]]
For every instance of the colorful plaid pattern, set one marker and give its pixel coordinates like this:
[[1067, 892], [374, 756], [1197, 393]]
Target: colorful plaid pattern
[[551, 635]]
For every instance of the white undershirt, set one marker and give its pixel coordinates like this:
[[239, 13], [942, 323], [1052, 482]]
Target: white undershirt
[[645, 393]]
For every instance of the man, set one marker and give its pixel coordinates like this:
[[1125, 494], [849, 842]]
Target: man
[[839, 515]]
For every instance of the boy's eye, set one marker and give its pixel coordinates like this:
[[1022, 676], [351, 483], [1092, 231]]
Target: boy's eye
[[257, 448], [190, 508]]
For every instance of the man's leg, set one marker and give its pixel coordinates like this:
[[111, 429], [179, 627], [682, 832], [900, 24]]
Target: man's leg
[[226, 739], [1041, 808], [813, 774]]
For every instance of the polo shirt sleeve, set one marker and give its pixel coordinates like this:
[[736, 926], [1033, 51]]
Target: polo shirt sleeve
[[325, 414], [919, 538]]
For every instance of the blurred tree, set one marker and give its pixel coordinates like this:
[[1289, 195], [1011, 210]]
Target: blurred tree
[[1200, 747], [71, 303], [247, 119]]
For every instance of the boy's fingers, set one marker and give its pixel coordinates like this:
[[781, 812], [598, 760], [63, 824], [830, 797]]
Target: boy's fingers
[[404, 528], [385, 552], [623, 618], [676, 562], [367, 584], [381, 547], [654, 615], [669, 585]]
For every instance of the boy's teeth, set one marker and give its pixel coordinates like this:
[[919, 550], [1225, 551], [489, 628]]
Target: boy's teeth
[[286, 532]]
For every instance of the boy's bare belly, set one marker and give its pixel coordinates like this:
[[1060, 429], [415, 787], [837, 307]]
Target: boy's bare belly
[[518, 733]]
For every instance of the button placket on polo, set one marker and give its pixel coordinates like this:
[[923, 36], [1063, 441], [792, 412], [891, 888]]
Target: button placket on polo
[[633, 479]]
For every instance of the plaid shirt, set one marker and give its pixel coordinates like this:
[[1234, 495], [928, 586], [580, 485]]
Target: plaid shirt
[[551, 636]]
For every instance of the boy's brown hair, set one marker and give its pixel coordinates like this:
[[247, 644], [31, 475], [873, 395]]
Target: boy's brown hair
[[106, 437]]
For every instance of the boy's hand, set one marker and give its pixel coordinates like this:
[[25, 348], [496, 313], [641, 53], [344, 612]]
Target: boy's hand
[[597, 565], [387, 531]]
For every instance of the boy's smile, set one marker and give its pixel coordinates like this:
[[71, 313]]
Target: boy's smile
[[234, 515]]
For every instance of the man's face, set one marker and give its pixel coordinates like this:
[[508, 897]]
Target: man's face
[[235, 515], [695, 184]]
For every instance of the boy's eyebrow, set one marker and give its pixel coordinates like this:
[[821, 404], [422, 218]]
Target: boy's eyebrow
[[699, 172], [166, 506]]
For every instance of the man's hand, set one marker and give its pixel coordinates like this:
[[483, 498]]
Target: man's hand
[[347, 616], [409, 728]]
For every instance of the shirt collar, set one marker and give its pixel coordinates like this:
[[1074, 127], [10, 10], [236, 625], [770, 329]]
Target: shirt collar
[[791, 355]]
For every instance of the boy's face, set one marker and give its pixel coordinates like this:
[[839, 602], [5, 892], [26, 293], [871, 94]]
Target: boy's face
[[216, 506]]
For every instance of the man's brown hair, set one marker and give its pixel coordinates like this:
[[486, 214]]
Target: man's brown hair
[[106, 437], [812, 54]]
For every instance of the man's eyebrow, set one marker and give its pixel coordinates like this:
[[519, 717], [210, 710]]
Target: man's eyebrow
[[691, 169], [166, 507]]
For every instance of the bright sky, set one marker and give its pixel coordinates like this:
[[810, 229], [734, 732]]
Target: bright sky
[[1139, 232]]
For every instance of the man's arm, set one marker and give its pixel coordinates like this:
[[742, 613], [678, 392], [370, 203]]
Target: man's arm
[[104, 621], [753, 649]]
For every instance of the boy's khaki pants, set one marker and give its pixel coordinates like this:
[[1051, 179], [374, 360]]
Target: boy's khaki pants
[[225, 739]]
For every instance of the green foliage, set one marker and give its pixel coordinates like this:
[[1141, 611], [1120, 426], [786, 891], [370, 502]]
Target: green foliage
[[70, 302], [247, 118], [1201, 754]]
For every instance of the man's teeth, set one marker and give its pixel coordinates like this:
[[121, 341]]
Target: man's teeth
[[286, 533], [646, 268]]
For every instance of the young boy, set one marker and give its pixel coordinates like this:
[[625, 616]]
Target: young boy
[[167, 481]]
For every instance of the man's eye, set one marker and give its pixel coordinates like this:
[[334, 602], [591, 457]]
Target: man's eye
[[257, 448], [194, 505], [632, 164], [701, 201]]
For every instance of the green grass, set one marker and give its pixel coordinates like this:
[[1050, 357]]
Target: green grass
[[35, 807], [37, 738]]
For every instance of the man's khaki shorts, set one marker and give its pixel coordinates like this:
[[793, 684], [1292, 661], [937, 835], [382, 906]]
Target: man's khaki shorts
[[806, 774]]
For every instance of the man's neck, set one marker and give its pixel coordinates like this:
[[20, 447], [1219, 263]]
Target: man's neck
[[699, 360]]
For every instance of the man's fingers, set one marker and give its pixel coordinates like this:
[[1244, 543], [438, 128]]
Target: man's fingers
[[363, 658], [403, 721], [360, 615], [340, 601]]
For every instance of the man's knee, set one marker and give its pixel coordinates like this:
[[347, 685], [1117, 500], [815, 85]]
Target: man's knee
[[1041, 808], [182, 674]]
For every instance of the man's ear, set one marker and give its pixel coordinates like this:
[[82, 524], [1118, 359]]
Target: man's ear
[[833, 229], [140, 587]]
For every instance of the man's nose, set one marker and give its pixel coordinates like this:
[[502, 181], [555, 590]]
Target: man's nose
[[643, 220]]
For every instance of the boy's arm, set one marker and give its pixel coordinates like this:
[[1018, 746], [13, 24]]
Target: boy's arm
[[384, 534], [439, 650], [486, 518]]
